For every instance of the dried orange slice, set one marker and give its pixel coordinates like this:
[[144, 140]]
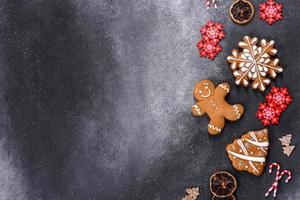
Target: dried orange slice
[[231, 197], [241, 11], [222, 184]]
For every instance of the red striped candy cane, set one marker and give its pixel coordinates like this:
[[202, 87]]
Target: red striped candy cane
[[279, 175], [289, 173], [215, 4], [275, 184], [207, 4]]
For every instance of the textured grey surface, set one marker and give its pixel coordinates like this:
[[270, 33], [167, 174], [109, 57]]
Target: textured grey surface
[[96, 97]]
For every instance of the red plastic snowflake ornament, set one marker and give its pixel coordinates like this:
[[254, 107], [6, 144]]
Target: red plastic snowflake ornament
[[268, 115], [270, 11], [209, 49], [212, 31], [277, 101], [279, 97]]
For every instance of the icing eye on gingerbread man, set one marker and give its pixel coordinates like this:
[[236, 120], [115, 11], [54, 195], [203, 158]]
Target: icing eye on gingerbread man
[[204, 89]]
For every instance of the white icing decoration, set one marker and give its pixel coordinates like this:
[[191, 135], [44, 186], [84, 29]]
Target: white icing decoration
[[197, 109], [260, 144], [237, 111], [256, 143], [246, 153], [224, 87], [214, 128], [209, 92], [249, 158]]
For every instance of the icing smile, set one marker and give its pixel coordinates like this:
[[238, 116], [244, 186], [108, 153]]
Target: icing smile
[[208, 92]]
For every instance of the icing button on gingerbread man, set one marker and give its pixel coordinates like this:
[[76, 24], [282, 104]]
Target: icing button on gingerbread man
[[211, 100]]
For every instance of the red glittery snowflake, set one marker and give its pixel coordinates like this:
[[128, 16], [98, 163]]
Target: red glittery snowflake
[[212, 31], [279, 97], [270, 11], [268, 115], [208, 48], [277, 101]]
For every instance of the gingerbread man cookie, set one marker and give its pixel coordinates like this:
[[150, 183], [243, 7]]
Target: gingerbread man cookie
[[211, 100]]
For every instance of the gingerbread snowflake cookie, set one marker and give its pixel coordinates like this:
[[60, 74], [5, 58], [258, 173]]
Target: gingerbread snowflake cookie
[[211, 100], [254, 63], [249, 152]]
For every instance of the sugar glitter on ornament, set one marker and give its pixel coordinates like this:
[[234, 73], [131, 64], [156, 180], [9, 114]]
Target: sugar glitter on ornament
[[277, 101], [212, 31], [209, 49], [268, 115], [270, 11], [279, 97]]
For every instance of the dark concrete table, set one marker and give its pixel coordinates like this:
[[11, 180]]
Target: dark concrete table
[[96, 100]]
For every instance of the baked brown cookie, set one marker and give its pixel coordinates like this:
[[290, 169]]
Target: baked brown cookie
[[211, 100], [255, 63], [249, 152]]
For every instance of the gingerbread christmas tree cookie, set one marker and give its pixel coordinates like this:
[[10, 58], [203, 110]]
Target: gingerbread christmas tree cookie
[[254, 63], [249, 152]]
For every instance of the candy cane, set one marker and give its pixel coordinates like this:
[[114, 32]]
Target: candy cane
[[279, 176], [207, 4], [289, 173], [213, 3], [275, 184]]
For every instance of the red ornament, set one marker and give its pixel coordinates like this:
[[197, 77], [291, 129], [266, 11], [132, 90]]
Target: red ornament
[[270, 11], [208, 49], [212, 33], [268, 115], [277, 101], [279, 97]]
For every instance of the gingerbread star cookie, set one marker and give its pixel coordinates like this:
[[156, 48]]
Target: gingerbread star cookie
[[249, 152], [211, 100]]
